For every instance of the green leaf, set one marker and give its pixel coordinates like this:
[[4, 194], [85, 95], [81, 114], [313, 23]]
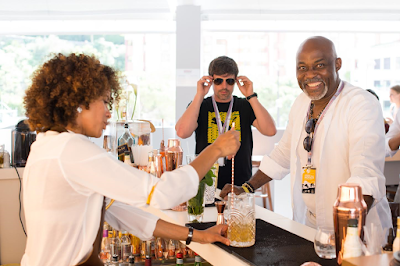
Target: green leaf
[[208, 178]]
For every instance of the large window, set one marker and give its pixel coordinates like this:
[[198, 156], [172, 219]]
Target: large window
[[146, 59], [268, 58]]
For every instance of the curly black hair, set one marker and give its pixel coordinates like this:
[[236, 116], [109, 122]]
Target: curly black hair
[[63, 84]]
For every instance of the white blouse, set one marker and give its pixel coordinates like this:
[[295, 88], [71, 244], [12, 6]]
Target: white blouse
[[65, 180]]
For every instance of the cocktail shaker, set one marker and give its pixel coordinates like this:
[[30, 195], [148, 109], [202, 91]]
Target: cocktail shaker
[[173, 155], [349, 204]]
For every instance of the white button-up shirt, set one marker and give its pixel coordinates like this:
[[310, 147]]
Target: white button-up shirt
[[349, 148], [64, 183]]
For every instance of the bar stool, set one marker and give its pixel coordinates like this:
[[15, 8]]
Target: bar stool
[[264, 190]]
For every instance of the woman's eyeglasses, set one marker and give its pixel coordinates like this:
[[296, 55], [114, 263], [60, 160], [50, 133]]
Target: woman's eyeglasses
[[310, 125], [219, 81]]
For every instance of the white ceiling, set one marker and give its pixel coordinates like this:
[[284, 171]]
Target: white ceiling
[[211, 9]]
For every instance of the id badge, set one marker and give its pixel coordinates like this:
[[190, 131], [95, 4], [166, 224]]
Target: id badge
[[221, 161], [308, 180]]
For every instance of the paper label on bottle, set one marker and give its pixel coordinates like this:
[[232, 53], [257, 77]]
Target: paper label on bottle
[[121, 151], [308, 180]]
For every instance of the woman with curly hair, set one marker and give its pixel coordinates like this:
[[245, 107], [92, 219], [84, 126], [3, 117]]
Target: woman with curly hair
[[68, 180]]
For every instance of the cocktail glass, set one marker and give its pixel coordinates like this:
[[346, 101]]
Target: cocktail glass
[[241, 220]]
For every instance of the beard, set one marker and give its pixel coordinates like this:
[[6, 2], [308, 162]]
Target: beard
[[224, 97], [315, 97]]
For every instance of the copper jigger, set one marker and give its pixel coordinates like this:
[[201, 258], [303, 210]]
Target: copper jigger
[[220, 218], [173, 155], [349, 204], [220, 208]]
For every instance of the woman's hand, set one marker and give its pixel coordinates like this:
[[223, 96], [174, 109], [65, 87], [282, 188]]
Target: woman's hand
[[212, 234]]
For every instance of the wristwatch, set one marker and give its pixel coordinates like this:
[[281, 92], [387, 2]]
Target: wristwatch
[[251, 96], [190, 235]]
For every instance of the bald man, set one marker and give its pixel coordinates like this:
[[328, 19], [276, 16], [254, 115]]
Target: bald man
[[335, 135]]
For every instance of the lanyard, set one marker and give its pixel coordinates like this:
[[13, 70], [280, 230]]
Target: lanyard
[[222, 129], [341, 85]]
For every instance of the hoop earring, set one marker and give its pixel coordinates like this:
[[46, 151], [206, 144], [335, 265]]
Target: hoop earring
[[79, 109]]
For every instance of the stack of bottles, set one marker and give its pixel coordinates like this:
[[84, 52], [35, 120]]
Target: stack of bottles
[[121, 247]]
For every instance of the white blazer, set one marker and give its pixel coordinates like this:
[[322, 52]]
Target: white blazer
[[349, 147]]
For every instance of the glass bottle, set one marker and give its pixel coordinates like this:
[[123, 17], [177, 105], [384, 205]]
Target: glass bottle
[[197, 261], [179, 259], [171, 249], [115, 245], [143, 249], [126, 246], [125, 140], [388, 248], [135, 245], [105, 143], [151, 164], [159, 248], [105, 247]]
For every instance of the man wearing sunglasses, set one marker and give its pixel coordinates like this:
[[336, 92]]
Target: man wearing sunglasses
[[214, 115], [335, 135]]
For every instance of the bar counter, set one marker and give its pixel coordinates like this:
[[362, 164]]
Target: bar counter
[[217, 256]]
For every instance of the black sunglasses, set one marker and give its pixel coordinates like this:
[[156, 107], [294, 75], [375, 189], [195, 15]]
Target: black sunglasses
[[310, 126], [219, 81]]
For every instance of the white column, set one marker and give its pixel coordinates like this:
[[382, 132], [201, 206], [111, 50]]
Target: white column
[[188, 42]]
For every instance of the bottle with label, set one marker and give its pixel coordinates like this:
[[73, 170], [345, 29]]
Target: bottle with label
[[179, 259], [126, 246], [396, 242], [125, 142], [105, 247], [197, 261], [352, 244]]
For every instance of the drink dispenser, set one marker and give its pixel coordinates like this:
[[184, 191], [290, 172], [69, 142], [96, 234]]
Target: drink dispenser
[[21, 141]]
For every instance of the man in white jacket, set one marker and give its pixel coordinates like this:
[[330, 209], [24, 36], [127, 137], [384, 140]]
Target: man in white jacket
[[335, 135]]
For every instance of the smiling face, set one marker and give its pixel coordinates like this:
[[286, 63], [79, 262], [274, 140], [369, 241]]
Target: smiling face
[[317, 68], [91, 122], [223, 92]]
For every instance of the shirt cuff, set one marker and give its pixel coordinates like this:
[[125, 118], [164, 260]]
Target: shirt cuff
[[389, 151], [272, 169]]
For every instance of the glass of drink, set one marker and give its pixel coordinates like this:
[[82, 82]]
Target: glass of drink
[[241, 220], [324, 243]]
